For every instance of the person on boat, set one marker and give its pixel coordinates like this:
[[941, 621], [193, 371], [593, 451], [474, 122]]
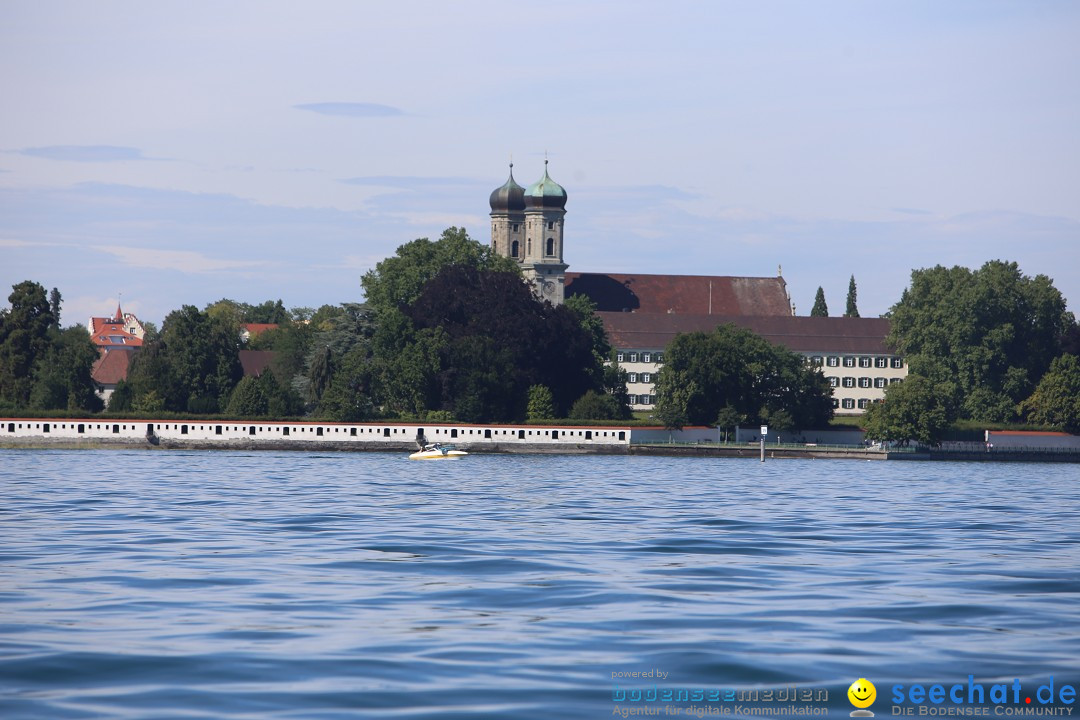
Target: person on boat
[[421, 441]]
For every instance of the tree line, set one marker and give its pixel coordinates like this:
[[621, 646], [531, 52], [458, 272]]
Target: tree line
[[991, 345], [450, 331]]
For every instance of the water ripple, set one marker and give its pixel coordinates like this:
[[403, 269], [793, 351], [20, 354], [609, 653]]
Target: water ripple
[[243, 585]]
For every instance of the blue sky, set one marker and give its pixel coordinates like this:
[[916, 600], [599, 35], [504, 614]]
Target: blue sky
[[180, 152]]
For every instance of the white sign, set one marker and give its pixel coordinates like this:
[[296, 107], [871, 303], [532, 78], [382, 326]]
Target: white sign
[[764, 429]]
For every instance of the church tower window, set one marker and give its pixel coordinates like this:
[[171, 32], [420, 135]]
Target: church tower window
[[550, 246], [514, 249]]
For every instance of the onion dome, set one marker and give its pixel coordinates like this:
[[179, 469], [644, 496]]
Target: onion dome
[[508, 198], [545, 193]]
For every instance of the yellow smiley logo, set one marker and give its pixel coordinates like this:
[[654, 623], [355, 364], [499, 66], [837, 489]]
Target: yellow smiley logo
[[862, 693]]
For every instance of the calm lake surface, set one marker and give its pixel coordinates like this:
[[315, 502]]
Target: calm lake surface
[[138, 584]]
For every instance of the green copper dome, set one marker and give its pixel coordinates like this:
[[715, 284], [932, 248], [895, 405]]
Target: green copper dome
[[545, 193]]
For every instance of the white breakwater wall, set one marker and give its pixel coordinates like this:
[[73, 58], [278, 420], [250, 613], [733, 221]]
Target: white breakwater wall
[[281, 434]]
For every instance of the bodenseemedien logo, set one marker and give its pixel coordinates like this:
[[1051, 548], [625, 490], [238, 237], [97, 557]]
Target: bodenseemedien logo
[[862, 694]]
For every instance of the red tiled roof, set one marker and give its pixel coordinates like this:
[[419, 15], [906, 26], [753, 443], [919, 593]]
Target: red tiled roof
[[111, 367], [255, 329], [110, 333], [683, 294], [255, 362], [653, 331]]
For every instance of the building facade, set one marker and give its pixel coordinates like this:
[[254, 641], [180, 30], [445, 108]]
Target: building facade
[[527, 226], [850, 352], [642, 313]]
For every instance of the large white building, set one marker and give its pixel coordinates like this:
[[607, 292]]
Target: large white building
[[642, 313], [850, 352]]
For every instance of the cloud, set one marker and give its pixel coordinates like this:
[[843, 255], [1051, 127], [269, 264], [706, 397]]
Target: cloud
[[85, 153], [347, 109], [182, 260], [912, 211]]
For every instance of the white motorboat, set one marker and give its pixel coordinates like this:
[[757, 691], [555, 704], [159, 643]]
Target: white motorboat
[[437, 451]]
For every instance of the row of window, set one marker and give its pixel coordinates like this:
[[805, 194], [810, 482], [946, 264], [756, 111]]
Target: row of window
[[639, 377], [863, 382], [863, 361], [352, 432], [634, 357], [850, 403], [642, 399]]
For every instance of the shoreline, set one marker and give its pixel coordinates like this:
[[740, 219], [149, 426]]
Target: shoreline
[[745, 452]]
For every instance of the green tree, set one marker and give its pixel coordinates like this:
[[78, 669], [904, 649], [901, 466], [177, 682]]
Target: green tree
[[541, 403], [852, 309], [820, 309], [148, 402], [614, 382], [150, 331], [734, 367], [1056, 400], [121, 398], [728, 419], [584, 310], [54, 306], [271, 311], [152, 372], [62, 379], [986, 337], [228, 312], [321, 318], [203, 352], [914, 409], [193, 366], [248, 399], [398, 281], [25, 341], [595, 406]]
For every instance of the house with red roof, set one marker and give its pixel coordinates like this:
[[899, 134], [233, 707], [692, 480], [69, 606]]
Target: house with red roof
[[117, 338], [122, 331], [250, 330]]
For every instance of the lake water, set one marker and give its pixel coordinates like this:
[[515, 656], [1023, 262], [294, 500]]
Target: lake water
[[156, 584]]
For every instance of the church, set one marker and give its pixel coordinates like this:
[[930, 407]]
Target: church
[[643, 312]]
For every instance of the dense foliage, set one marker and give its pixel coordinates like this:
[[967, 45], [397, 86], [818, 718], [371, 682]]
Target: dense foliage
[[983, 338], [491, 344], [734, 368], [192, 367], [1056, 400], [852, 307], [41, 366], [398, 281], [915, 409]]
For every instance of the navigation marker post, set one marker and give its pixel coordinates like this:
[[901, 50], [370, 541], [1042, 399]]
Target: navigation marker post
[[764, 432]]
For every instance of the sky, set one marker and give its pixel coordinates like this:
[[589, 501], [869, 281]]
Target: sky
[[173, 153]]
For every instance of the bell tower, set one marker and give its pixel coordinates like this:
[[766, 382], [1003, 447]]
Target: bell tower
[[542, 264], [508, 219]]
